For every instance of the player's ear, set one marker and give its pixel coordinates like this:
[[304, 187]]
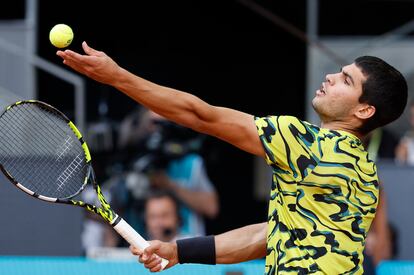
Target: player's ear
[[365, 111]]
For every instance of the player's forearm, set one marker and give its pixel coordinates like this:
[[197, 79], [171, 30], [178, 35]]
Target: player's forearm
[[239, 245], [180, 107], [205, 203], [232, 126], [242, 244]]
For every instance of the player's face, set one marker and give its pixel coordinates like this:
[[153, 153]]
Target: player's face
[[338, 96], [161, 218]]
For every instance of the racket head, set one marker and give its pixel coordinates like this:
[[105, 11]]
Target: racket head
[[42, 152]]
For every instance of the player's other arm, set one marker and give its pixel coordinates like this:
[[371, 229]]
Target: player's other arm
[[242, 244], [232, 126], [239, 245]]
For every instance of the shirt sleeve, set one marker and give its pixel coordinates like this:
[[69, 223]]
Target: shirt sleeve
[[291, 145]]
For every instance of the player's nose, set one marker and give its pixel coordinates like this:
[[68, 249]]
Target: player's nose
[[329, 79]]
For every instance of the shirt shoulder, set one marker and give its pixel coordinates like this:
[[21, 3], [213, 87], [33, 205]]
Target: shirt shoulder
[[291, 145]]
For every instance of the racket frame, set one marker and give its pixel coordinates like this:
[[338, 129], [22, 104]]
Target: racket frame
[[105, 211]]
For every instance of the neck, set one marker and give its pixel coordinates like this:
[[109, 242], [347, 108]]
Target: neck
[[342, 126]]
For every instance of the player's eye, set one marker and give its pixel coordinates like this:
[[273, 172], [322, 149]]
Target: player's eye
[[346, 81]]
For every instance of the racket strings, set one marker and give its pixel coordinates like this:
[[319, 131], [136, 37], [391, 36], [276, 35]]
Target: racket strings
[[41, 151], [38, 154], [22, 130], [35, 137], [31, 135], [14, 163]]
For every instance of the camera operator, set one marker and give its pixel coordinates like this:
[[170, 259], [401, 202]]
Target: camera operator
[[163, 156]]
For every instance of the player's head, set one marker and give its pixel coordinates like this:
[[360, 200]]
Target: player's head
[[162, 218], [366, 94], [385, 89]]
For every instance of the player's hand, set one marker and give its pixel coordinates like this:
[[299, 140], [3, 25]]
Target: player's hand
[[94, 64], [150, 257]]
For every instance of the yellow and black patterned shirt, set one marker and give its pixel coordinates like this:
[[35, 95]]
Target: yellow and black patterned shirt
[[323, 198]]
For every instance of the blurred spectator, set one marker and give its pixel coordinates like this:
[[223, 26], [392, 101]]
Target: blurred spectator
[[161, 155], [162, 217], [405, 149]]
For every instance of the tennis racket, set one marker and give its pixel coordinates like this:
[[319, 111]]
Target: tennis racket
[[43, 153]]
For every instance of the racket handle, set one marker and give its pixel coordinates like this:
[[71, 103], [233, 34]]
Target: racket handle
[[133, 238]]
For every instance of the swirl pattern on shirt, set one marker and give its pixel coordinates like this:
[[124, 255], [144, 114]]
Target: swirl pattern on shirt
[[323, 198]]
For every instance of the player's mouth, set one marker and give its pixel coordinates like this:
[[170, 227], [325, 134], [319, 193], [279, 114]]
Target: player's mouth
[[321, 90]]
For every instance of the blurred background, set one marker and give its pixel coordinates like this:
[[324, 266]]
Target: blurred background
[[261, 57]]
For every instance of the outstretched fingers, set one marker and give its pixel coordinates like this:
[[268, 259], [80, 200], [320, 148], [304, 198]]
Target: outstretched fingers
[[79, 60], [90, 51]]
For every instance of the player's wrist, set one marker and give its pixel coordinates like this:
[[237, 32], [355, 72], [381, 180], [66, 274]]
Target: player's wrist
[[174, 259], [199, 250], [120, 77]]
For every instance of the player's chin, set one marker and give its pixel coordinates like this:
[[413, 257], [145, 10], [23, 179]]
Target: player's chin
[[321, 108], [315, 103]]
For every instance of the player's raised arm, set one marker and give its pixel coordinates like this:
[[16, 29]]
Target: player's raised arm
[[232, 126]]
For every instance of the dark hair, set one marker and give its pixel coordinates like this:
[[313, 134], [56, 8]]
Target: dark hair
[[159, 194], [385, 88]]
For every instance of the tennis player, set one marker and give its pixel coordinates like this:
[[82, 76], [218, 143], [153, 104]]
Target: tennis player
[[325, 187]]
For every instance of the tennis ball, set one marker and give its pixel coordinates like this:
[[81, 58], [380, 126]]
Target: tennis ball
[[61, 36]]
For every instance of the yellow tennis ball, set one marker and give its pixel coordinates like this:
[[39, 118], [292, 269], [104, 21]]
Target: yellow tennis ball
[[61, 36]]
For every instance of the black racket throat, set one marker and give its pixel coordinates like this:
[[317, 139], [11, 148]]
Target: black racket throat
[[117, 220]]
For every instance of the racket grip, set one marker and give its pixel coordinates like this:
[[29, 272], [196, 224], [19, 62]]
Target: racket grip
[[133, 238]]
